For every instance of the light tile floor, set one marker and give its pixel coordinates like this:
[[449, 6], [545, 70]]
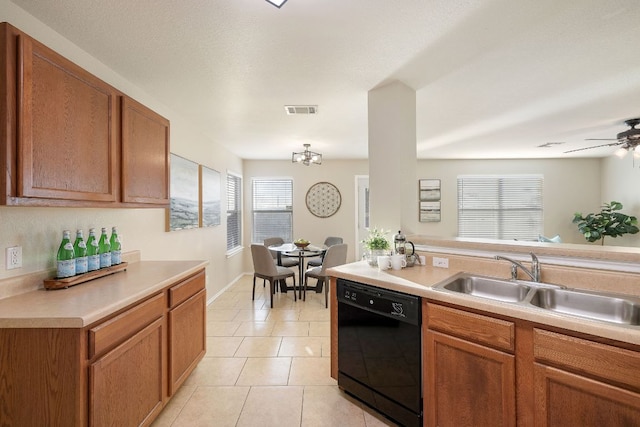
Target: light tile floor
[[265, 367]]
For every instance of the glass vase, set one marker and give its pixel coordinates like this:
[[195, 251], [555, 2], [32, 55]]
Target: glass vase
[[372, 256]]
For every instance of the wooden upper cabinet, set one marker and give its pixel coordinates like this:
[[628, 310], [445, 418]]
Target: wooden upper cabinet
[[145, 155], [69, 139], [66, 129]]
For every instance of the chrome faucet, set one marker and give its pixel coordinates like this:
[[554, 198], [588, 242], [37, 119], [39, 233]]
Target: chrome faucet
[[534, 273]]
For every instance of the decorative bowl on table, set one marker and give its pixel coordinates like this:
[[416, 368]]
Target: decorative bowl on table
[[301, 243]]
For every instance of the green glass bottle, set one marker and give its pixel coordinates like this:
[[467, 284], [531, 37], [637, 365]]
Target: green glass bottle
[[116, 247], [66, 262], [80, 252], [105, 249], [93, 251]]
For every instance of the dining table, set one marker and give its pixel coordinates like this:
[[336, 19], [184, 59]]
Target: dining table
[[291, 250]]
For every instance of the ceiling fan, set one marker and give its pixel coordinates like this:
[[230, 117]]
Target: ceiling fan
[[628, 139]]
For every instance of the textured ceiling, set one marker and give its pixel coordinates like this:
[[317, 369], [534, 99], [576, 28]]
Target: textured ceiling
[[494, 78]]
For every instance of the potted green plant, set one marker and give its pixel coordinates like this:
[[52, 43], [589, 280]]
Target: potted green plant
[[607, 222], [376, 244]]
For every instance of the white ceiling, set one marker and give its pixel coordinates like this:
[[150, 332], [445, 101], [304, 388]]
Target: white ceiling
[[494, 78]]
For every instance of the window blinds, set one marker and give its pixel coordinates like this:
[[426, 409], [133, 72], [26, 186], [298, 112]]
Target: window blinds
[[272, 209], [500, 206], [234, 211]]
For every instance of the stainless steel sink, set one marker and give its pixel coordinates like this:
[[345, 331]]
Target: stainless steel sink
[[601, 306], [593, 305], [487, 287]]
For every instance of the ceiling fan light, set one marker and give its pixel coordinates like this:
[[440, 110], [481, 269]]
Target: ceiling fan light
[[621, 152]]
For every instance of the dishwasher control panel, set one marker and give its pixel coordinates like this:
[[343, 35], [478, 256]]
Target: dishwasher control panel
[[389, 303]]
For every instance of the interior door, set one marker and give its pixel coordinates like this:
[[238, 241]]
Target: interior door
[[362, 212]]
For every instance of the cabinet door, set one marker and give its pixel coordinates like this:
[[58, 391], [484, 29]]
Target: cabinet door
[[467, 384], [566, 399], [145, 155], [67, 129], [187, 339], [126, 384]]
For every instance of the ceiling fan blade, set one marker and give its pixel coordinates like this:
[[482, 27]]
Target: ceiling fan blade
[[594, 146]]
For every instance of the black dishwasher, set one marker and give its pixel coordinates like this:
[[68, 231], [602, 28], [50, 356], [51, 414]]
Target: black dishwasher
[[379, 349]]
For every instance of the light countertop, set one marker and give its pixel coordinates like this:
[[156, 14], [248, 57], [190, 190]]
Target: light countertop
[[419, 280], [84, 304]]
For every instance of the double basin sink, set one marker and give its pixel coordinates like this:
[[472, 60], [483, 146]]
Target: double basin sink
[[608, 307]]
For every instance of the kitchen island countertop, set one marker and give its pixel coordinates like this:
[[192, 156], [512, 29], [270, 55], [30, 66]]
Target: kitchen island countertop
[[419, 280]]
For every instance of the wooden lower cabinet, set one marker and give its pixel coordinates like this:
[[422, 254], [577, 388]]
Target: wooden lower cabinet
[[467, 383], [187, 339], [119, 371], [567, 399], [126, 384], [584, 383], [477, 372], [41, 379]]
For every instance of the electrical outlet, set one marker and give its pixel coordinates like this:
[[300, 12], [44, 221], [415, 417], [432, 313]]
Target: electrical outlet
[[14, 257], [440, 262]]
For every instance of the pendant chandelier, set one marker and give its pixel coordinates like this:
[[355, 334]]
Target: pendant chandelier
[[306, 157]]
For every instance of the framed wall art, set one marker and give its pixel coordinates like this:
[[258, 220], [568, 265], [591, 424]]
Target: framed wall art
[[429, 189], [323, 199], [429, 199], [183, 210], [430, 211], [210, 212]]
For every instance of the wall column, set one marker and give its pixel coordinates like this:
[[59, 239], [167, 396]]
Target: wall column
[[392, 157]]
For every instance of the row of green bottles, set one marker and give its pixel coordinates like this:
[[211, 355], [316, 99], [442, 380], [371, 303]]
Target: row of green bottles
[[81, 257]]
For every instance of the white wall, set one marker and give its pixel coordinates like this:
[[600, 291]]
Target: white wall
[[39, 230], [340, 173], [570, 185], [620, 182], [392, 154]]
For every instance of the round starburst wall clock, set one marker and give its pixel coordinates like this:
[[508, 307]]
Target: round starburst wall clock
[[323, 199]]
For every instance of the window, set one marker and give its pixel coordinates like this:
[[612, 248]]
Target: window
[[272, 209], [500, 207], [234, 211]]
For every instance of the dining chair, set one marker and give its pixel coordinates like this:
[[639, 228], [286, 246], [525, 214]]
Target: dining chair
[[329, 241], [264, 268], [335, 255], [285, 260]]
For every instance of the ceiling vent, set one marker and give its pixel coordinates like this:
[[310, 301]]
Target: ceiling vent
[[301, 109]]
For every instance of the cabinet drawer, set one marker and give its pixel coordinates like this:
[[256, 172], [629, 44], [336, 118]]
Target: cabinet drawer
[[473, 327], [588, 357], [185, 290], [121, 327]]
